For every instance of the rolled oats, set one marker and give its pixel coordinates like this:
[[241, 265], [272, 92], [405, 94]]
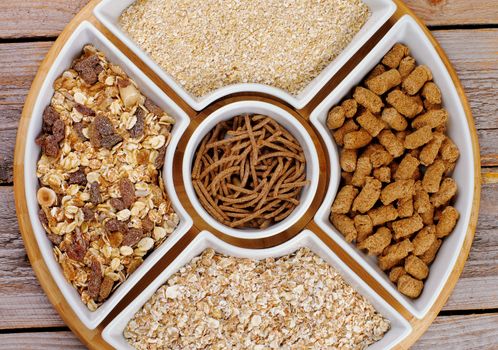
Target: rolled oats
[[294, 302], [95, 197]]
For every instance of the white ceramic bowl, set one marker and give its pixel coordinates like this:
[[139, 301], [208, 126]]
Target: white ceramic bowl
[[109, 11], [290, 123], [408, 32], [400, 328], [87, 34]]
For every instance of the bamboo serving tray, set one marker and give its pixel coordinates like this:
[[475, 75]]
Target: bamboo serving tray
[[93, 338]]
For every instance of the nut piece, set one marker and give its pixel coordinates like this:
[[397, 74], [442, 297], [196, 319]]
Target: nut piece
[[129, 95], [410, 286], [46, 197]]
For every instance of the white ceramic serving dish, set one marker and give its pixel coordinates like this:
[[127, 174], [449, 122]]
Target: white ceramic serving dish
[[87, 34], [408, 32], [109, 11], [400, 328], [290, 123]]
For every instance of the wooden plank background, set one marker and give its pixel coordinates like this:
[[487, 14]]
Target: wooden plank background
[[467, 30]]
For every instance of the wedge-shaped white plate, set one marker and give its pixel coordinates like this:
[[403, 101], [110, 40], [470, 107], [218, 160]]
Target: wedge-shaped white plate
[[408, 32], [87, 34], [400, 327], [109, 11]]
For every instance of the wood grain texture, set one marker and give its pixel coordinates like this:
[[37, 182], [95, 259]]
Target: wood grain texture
[[477, 67], [36, 18], [62, 340], [471, 332], [455, 12]]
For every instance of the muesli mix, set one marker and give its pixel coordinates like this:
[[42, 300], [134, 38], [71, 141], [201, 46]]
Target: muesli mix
[[103, 202], [297, 301], [396, 195], [285, 44]]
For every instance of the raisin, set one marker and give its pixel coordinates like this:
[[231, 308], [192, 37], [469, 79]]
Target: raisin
[[84, 110], [59, 130], [105, 288], [50, 116], [43, 217], [152, 107], [159, 162], [78, 127], [55, 239], [114, 225], [102, 133], [95, 196], [50, 146], [94, 279], [110, 141], [103, 125], [138, 129], [88, 214], [77, 251], [78, 178], [88, 69], [117, 204], [127, 190], [147, 225], [122, 83], [132, 237]]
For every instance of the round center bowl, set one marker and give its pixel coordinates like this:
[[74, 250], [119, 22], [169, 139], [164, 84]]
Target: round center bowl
[[286, 120]]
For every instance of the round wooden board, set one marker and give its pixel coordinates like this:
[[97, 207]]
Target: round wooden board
[[92, 338]]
